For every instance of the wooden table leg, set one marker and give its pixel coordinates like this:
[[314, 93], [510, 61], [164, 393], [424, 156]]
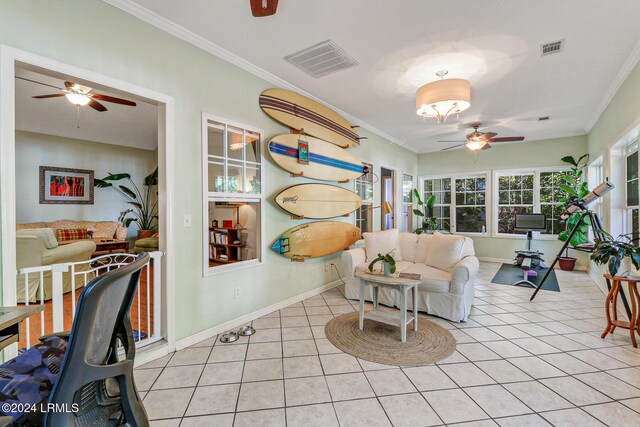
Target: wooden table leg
[[363, 285], [633, 293], [607, 308], [415, 307], [403, 314], [637, 295]]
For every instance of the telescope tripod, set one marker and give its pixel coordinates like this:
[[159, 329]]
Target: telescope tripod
[[596, 225]]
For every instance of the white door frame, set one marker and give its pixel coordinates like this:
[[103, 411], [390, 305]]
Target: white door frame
[[9, 56], [396, 205]]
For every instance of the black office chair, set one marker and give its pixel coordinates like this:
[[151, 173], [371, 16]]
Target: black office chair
[[86, 385]]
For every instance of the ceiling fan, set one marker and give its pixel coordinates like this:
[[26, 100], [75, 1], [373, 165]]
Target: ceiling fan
[[261, 8], [480, 140], [81, 95]]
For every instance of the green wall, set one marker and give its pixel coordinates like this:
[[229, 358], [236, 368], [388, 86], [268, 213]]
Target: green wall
[[527, 154], [106, 40]]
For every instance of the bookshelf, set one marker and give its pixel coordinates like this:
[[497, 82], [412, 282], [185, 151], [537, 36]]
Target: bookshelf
[[222, 248]]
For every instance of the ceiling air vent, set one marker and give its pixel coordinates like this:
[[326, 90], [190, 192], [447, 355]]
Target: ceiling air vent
[[552, 47], [321, 59]]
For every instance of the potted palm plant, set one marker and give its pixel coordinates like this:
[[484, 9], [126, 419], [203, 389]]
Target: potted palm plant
[[429, 223], [388, 263], [144, 211], [573, 187], [618, 254]]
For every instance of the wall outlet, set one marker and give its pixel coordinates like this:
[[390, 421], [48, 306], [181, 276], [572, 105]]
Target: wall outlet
[[186, 220], [236, 292]]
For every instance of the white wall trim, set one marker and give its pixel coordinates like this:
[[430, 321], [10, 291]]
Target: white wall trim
[[617, 82], [247, 318], [188, 36]]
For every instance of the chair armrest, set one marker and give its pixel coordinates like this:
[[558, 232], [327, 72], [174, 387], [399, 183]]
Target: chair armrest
[[121, 233], [464, 272], [78, 251], [62, 334], [351, 258]]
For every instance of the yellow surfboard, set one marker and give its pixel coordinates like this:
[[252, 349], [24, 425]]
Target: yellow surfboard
[[318, 201], [325, 162], [316, 239], [299, 112]]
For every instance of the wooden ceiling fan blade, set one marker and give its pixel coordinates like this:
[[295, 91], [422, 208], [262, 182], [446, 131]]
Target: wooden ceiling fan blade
[[455, 146], [449, 141], [486, 146], [55, 95], [97, 106], [507, 139], [487, 136], [260, 8], [112, 99]]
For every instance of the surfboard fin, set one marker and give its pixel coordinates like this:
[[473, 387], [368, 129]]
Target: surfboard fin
[[298, 259], [343, 182], [297, 217]]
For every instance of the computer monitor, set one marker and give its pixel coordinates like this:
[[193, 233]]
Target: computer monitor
[[532, 221]]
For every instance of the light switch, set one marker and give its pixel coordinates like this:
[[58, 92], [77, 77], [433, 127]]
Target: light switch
[[186, 220]]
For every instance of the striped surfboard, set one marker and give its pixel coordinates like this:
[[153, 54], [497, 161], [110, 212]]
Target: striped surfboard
[[327, 162], [299, 112]]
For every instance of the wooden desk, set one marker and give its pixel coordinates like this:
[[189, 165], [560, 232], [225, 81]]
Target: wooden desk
[[611, 308], [11, 321]]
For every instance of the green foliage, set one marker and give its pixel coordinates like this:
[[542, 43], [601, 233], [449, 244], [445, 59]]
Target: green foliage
[[388, 258], [611, 252], [429, 222], [574, 187], [145, 212]]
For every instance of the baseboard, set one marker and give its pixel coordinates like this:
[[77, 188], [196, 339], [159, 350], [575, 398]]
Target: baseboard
[[151, 352], [510, 261], [243, 320]]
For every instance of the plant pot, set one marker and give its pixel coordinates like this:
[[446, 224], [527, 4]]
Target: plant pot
[[143, 234], [567, 263], [387, 269]]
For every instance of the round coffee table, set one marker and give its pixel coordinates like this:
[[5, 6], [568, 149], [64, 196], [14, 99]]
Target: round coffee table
[[400, 284]]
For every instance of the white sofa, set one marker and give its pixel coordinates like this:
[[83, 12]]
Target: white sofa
[[445, 261]]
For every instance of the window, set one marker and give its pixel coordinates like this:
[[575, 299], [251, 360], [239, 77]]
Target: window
[[632, 191], [515, 195], [364, 189], [407, 203], [233, 193], [471, 209], [550, 193], [441, 188]]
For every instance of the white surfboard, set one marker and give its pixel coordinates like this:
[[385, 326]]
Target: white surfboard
[[318, 201]]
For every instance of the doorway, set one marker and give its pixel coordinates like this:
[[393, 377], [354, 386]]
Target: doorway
[[388, 194]]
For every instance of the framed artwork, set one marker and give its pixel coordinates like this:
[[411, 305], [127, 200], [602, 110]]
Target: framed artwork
[[66, 186]]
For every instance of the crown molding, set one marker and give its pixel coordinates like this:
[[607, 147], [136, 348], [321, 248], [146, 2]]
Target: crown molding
[[622, 75], [182, 33]]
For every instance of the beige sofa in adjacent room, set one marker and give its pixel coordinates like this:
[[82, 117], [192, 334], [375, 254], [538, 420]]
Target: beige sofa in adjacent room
[[446, 262]]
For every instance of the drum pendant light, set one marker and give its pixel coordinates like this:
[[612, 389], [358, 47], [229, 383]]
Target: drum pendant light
[[441, 98]]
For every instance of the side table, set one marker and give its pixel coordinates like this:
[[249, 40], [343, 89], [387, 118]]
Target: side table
[[611, 308]]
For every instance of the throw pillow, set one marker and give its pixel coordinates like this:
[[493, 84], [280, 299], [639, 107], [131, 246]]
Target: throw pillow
[[446, 251], [408, 245], [382, 242], [105, 229], [64, 234], [422, 247]]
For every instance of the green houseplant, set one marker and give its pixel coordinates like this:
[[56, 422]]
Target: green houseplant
[[429, 222], [144, 211], [573, 187], [615, 253], [388, 263]]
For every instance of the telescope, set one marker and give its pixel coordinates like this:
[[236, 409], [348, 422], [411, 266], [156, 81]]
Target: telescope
[[579, 205]]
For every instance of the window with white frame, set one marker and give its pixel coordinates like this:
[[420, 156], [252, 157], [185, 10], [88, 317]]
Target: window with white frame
[[407, 203], [364, 189], [632, 191], [595, 176], [441, 188], [233, 193], [550, 194]]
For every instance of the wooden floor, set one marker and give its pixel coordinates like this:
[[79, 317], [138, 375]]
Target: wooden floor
[[140, 323]]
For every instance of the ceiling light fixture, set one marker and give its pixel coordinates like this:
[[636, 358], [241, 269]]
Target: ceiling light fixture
[[475, 144], [441, 98], [78, 99]]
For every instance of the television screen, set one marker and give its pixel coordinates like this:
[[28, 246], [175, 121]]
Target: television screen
[[534, 221]]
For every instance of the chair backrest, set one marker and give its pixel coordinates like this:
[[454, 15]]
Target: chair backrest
[[102, 319]]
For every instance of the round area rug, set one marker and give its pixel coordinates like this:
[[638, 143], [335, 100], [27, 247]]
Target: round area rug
[[380, 343]]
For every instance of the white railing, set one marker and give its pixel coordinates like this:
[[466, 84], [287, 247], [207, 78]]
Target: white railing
[[47, 283]]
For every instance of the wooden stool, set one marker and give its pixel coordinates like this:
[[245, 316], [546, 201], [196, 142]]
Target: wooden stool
[[610, 306]]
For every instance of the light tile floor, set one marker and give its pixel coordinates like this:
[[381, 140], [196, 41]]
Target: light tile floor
[[518, 363]]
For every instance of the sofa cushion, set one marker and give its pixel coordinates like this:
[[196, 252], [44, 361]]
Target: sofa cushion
[[46, 234], [422, 247], [433, 279], [32, 225], [445, 252], [408, 243], [105, 229], [382, 242], [70, 223], [66, 234]]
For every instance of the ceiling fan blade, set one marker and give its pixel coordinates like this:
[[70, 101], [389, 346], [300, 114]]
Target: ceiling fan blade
[[97, 106], [507, 139], [40, 83], [261, 8], [108, 98], [486, 146], [55, 95], [455, 146], [457, 140], [486, 136]]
